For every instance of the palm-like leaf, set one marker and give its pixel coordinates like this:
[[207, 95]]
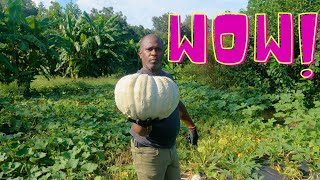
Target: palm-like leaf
[[6, 62]]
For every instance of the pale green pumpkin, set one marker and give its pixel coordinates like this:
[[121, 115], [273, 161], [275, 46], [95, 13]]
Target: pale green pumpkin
[[141, 96]]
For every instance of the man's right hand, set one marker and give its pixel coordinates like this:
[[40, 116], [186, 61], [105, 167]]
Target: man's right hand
[[143, 128], [145, 123], [142, 131]]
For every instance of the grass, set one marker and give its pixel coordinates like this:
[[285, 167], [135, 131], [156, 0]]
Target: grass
[[41, 82]]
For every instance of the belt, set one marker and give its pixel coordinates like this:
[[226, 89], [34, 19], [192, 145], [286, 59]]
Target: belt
[[137, 144]]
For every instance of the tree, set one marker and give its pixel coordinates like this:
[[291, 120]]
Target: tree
[[93, 13], [2, 3], [73, 9], [24, 48], [42, 11], [29, 8], [160, 23], [274, 77], [77, 45], [137, 32], [108, 12], [55, 11], [186, 27], [90, 46]]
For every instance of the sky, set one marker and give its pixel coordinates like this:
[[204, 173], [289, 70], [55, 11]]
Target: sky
[[140, 12]]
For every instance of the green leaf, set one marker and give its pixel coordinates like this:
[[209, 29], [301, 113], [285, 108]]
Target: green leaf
[[69, 23], [89, 167], [86, 44], [31, 20], [3, 157], [45, 177], [109, 37], [221, 103], [98, 40], [77, 46], [24, 152], [26, 73], [37, 156], [36, 174], [83, 37], [34, 40], [101, 156], [98, 178], [88, 19], [45, 71], [113, 53], [85, 154], [59, 165], [72, 163], [7, 64], [67, 155], [58, 175], [9, 167], [112, 19], [3, 46], [23, 46]]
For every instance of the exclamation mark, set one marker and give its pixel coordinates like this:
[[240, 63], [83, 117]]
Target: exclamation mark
[[308, 29]]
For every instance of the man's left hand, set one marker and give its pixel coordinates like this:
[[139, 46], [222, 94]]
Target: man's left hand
[[193, 136]]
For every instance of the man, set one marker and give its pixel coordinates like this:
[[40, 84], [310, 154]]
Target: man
[[153, 144]]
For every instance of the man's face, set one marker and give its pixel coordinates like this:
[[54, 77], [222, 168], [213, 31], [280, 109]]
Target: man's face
[[151, 53]]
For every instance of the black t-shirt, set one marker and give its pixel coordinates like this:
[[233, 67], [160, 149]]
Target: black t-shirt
[[164, 133]]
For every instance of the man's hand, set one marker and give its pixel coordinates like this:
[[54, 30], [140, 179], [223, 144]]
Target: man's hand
[[142, 131], [185, 117], [143, 128], [193, 136], [145, 123]]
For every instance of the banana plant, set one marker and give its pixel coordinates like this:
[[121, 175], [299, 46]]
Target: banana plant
[[25, 50], [89, 43], [103, 40]]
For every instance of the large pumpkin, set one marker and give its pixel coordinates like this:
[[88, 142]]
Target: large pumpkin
[[141, 96]]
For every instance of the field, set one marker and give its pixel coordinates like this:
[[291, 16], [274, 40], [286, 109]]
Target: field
[[71, 129], [255, 120]]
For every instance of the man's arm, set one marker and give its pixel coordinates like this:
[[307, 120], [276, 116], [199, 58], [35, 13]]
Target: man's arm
[[186, 119], [184, 116]]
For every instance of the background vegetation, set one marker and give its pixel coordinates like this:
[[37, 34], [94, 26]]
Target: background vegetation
[[58, 69]]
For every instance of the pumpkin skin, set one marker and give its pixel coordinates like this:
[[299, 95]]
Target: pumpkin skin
[[142, 97]]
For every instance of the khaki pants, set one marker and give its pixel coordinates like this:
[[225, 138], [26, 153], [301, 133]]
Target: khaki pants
[[156, 164]]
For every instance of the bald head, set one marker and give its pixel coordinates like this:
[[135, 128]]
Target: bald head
[[151, 37]]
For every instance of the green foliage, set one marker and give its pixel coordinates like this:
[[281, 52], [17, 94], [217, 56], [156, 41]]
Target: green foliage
[[23, 46], [244, 129], [29, 8], [279, 77], [160, 23], [66, 131], [71, 129], [67, 43], [266, 78], [54, 11], [256, 115], [92, 47]]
